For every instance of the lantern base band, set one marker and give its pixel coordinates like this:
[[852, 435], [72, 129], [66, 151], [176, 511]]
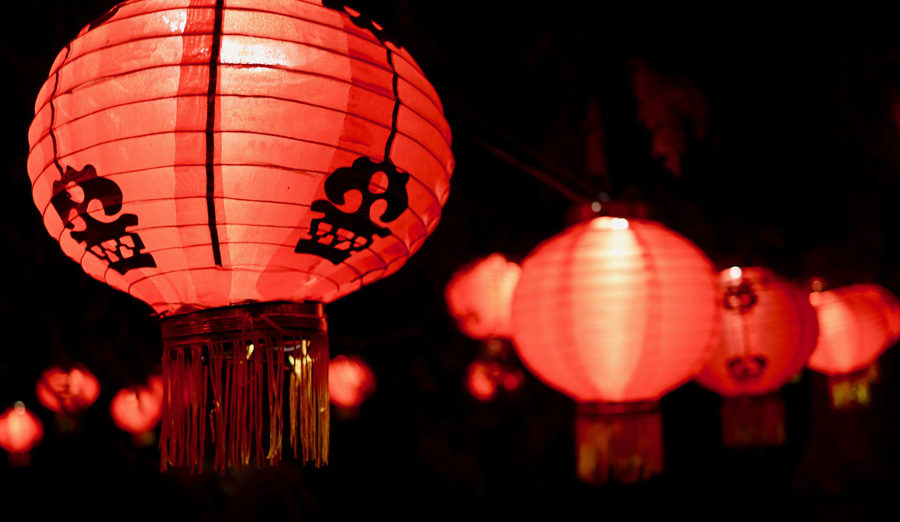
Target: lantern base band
[[232, 363], [618, 442]]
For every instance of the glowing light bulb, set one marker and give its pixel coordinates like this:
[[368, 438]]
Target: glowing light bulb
[[735, 272], [618, 224], [596, 206], [19, 408]]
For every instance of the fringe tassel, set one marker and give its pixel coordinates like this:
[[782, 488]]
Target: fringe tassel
[[246, 379], [753, 422], [625, 446]]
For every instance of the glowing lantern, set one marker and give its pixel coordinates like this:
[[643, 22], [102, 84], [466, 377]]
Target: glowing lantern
[[854, 328], [479, 297], [615, 313], [69, 392], [20, 430], [137, 410], [350, 381], [236, 165], [769, 330], [484, 378]]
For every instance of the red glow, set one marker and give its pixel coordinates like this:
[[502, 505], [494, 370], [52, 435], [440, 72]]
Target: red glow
[[221, 207], [137, 410], [485, 378], [479, 297], [350, 381], [20, 430], [853, 329], [70, 392], [765, 341], [616, 315]]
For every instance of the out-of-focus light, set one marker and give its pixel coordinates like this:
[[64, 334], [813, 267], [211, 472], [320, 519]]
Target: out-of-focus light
[[350, 381], [817, 285], [19, 430], [618, 224], [596, 206], [137, 410], [70, 392], [735, 272]]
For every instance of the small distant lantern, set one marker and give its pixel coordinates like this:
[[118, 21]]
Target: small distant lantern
[[350, 381], [769, 330], [138, 409], [615, 313], [854, 329], [70, 392], [479, 297], [20, 432]]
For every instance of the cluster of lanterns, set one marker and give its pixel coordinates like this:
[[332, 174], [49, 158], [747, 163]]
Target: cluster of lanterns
[[617, 312], [239, 165]]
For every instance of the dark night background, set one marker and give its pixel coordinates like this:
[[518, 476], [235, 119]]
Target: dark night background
[[789, 156]]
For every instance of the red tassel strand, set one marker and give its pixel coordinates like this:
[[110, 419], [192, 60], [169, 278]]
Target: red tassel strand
[[618, 442], [241, 355]]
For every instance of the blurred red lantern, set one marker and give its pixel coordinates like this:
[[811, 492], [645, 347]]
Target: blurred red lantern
[[236, 167], [854, 328], [350, 381], [888, 304], [615, 313], [20, 430], [70, 392], [485, 378], [479, 297], [138, 409], [769, 330]]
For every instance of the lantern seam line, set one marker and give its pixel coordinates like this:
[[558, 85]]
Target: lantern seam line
[[212, 88], [53, 120], [396, 111]]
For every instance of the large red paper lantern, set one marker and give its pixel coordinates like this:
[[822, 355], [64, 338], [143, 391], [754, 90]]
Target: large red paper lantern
[[236, 165], [615, 313], [479, 297], [67, 391], [20, 430], [769, 330]]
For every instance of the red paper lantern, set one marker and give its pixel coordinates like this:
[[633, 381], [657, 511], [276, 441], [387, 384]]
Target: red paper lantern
[[769, 329], [485, 378], [138, 409], [350, 381], [70, 392], [479, 297], [20, 430], [615, 313], [236, 165], [853, 330]]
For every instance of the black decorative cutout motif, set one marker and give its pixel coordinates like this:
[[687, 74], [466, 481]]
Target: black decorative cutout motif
[[740, 297], [338, 234], [747, 368], [72, 197], [361, 20]]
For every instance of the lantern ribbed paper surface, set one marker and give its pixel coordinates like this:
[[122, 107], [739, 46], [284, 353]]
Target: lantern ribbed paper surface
[[853, 329], [479, 297], [769, 330], [236, 164], [203, 153], [616, 311]]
